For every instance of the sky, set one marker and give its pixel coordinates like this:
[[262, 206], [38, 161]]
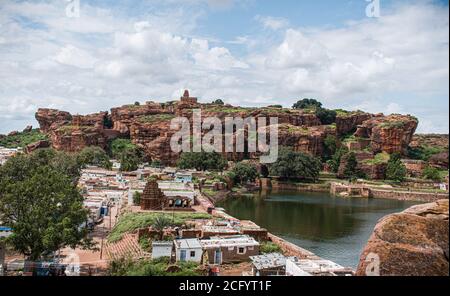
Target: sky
[[246, 52]]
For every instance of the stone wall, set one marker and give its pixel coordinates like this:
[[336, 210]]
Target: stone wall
[[406, 195]]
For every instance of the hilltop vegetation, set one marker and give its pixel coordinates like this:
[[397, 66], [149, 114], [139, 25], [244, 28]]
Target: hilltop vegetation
[[22, 139]]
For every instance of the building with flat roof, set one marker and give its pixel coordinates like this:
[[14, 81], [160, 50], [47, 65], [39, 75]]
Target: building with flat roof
[[230, 249], [188, 249]]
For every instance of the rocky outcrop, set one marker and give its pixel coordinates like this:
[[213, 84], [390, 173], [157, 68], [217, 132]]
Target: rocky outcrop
[[52, 119], [388, 134], [348, 123], [305, 139], [73, 138], [430, 140], [28, 129], [37, 145], [148, 126], [411, 243]]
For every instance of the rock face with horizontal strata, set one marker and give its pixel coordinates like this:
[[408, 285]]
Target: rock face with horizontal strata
[[302, 129], [388, 134], [411, 243]]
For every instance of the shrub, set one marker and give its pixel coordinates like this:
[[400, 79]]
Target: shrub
[[269, 247], [395, 169], [244, 172], [307, 103], [94, 156], [292, 164], [432, 173], [326, 116], [202, 161]]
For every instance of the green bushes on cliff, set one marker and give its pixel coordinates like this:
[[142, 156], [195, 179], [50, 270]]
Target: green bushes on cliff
[[22, 139]]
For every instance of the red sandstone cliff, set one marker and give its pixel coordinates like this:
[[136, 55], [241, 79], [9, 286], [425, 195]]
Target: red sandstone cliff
[[148, 126]]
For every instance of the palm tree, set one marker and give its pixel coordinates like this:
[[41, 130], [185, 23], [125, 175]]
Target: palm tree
[[159, 224]]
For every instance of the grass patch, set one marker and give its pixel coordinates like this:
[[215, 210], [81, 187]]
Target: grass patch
[[379, 159], [22, 139], [155, 118], [269, 247], [134, 221]]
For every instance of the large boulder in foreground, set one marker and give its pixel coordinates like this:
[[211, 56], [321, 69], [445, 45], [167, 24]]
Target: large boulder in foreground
[[411, 243]]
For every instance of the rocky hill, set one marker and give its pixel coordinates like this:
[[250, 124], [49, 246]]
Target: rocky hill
[[148, 126], [411, 243]]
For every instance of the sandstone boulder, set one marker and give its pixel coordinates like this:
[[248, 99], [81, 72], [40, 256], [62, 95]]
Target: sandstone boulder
[[411, 243]]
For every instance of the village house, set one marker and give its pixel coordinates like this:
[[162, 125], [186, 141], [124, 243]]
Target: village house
[[162, 249], [230, 249], [188, 250], [272, 264], [307, 267]]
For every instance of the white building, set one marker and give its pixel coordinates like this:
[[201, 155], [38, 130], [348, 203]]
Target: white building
[[161, 249], [305, 267], [188, 250]]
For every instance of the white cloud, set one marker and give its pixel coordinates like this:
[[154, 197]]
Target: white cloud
[[103, 60], [272, 23]]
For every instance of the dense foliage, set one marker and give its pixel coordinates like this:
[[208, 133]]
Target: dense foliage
[[335, 160], [243, 173], [330, 146], [424, 152], [292, 164], [307, 104], [202, 161], [22, 139], [432, 173], [218, 102], [395, 169], [326, 116], [351, 166], [40, 202], [94, 156], [137, 198]]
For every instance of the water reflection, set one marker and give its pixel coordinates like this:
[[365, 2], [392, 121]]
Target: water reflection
[[334, 228]]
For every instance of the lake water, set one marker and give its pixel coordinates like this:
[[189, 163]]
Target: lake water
[[333, 228]]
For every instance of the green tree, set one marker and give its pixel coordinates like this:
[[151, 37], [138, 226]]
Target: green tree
[[120, 145], [129, 160], [202, 161], [292, 164], [244, 172], [42, 206], [137, 198], [94, 155], [329, 144], [326, 116], [218, 102], [160, 223], [350, 169], [335, 160], [395, 169], [432, 173], [307, 103]]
